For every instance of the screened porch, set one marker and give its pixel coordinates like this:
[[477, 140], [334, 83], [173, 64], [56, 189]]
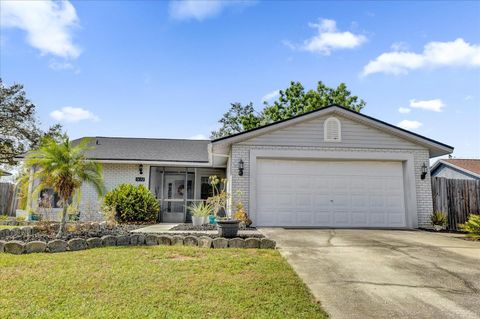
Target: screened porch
[[178, 187]]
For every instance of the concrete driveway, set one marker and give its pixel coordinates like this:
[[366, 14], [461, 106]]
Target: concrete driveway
[[384, 273]]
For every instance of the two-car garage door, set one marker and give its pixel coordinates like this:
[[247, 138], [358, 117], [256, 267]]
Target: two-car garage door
[[306, 193]]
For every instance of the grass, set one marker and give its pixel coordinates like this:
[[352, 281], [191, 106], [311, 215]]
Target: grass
[[153, 282], [7, 227]]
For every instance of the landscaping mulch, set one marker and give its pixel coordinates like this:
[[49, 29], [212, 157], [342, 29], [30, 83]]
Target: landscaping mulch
[[204, 227]]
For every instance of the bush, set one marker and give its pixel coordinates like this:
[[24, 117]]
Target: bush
[[439, 218], [133, 203], [472, 226]]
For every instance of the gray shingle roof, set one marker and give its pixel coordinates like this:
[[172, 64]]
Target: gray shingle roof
[[148, 149]]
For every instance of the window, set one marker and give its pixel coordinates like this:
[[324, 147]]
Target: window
[[49, 199], [206, 190], [332, 131]]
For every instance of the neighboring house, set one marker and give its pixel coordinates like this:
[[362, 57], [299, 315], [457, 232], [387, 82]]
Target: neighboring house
[[457, 168], [328, 168]]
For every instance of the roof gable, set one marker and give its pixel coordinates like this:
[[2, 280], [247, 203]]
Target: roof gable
[[468, 166], [435, 148]]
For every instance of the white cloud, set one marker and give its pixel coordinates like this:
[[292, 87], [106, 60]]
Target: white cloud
[[468, 98], [435, 105], [329, 38], [270, 96], [435, 54], [201, 9], [409, 125], [404, 110], [63, 66], [399, 46], [198, 137], [73, 114], [48, 24]]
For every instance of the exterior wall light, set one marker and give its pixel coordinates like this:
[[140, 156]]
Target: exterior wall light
[[140, 169], [424, 171], [240, 168]]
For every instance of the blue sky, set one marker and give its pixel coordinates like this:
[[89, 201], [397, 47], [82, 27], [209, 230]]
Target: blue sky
[[171, 69]]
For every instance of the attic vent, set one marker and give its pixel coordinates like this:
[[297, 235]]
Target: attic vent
[[332, 130]]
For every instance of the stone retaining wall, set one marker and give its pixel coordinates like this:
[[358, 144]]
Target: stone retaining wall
[[54, 246]]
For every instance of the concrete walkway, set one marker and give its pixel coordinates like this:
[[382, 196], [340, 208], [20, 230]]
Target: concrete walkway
[[385, 274]]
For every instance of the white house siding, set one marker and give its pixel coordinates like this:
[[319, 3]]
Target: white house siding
[[311, 133], [113, 175], [449, 172], [421, 155]]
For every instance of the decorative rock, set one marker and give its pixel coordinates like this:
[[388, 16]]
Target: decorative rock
[[4, 233], [177, 240], [123, 240], [95, 227], [165, 240], [220, 242], [27, 230], [135, 240], [35, 247], [109, 240], [141, 239], [204, 242], [151, 240], [57, 246], [236, 243], [266, 243], [190, 241], [2, 245], [77, 244], [14, 247], [15, 232], [94, 242], [252, 243]]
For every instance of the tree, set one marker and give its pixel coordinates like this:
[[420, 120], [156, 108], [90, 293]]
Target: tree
[[238, 119], [64, 167], [291, 102], [19, 130]]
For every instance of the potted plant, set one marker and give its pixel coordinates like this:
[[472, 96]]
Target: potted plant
[[227, 226], [73, 212], [241, 213], [32, 216], [439, 220], [199, 211]]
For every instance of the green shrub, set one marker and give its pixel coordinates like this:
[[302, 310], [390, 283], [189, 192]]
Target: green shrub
[[133, 203], [439, 218], [3, 217], [472, 226]]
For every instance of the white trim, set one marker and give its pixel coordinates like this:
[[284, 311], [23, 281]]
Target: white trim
[[407, 160], [159, 163], [325, 129]]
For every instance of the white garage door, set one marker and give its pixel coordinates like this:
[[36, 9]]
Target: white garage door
[[329, 193]]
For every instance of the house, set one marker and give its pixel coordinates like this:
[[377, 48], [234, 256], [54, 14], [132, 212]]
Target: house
[[457, 168], [331, 167]]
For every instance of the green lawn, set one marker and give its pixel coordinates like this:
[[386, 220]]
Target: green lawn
[[153, 282], [7, 226]]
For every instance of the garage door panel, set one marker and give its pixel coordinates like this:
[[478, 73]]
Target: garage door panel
[[329, 193]]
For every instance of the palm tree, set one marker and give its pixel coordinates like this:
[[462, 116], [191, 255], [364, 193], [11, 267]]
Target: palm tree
[[64, 167]]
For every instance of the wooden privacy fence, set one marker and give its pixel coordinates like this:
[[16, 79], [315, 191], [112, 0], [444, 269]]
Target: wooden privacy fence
[[457, 198], [8, 199]]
